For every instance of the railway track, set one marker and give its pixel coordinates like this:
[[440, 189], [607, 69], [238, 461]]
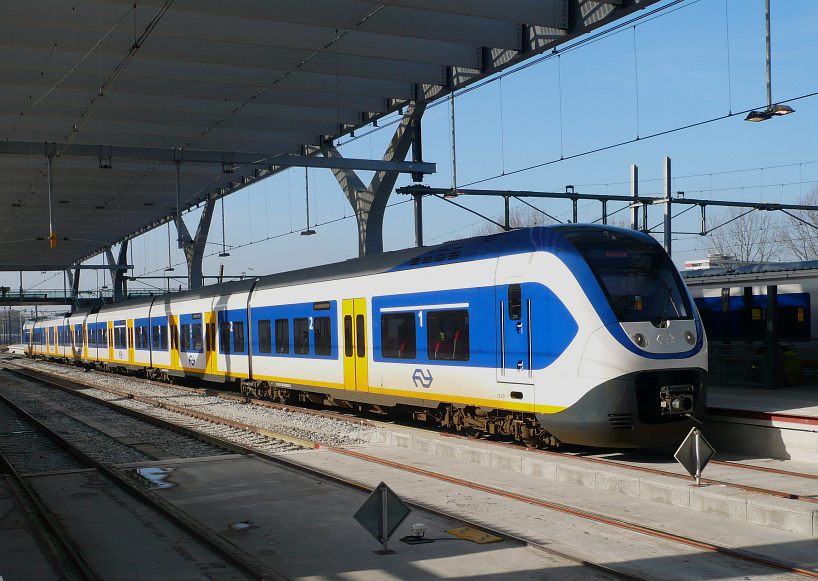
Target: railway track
[[47, 445], [728, 552], [809, 493]]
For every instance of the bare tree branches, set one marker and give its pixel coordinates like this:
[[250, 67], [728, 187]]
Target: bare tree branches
[[748, 237], [801, 238]]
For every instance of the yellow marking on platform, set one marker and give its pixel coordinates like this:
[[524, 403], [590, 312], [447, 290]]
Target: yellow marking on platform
[[470, 534]]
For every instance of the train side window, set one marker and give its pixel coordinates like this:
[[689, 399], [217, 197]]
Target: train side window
[[185, 336], [301, 336], [447, 334], [360, 335], [348, 336], [265, 343], [282, 336], [224, 337], [238, 336], [196, 332], [323, 335], [515, 302], [156, 337], [398, 339]]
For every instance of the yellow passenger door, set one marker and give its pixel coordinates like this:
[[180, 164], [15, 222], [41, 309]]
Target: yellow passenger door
[[356, 372]]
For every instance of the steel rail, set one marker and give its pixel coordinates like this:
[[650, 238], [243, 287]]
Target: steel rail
[[340, 417], [341, 481], [66, 542], [621, 523], [244, 561]]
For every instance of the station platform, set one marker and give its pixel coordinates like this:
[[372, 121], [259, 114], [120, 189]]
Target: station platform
[[780, 424]]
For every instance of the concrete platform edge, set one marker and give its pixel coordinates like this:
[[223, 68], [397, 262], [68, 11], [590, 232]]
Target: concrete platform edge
[[785, 514]]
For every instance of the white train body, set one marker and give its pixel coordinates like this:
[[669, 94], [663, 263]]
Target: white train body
[[585, 334]]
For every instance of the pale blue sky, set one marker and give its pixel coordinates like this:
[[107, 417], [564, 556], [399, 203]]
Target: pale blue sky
[[681, 61]]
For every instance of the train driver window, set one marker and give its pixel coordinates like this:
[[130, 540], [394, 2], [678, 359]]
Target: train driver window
[[282, 336], [196, 332], [224, 337], [447, 335], [265, 343], [238, 336], [301, 336], [515, 302], [398, 339], [323, 335]]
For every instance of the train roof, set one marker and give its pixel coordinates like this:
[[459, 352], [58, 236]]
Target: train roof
[[465, 250], [764, 270]]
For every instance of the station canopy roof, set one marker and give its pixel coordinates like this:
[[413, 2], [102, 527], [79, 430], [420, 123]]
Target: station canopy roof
[[117, 92]]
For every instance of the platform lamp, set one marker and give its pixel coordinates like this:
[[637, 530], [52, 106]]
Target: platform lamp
[[308, 232], [771, 110]]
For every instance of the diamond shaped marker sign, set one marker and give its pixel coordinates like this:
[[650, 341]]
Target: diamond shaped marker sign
[[694, 454], [381, 514]]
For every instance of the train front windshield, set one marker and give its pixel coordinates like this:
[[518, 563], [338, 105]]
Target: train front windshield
[[638, 278]]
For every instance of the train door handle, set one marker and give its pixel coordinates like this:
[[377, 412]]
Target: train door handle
[[520, 327], [520, 365]]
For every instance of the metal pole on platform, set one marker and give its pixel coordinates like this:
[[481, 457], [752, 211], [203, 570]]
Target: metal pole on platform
[[668, 207], [52, 236], [698, 458], [384, 522], [179, 239], [418, 199], [635, 193]]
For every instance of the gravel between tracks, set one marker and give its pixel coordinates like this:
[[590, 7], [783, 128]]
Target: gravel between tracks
[[326, 431]]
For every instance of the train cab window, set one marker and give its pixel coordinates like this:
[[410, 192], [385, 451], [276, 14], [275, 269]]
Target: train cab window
[[224, 337], [360, 335], [447, 334], [185, 338], [301, 336], [265, 339], [515, 302], [238, 336], [398, 339], [196, 332], [323, 335], [348, 336]]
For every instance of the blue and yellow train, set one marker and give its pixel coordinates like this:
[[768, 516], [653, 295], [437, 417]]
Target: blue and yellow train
[[572, 333]]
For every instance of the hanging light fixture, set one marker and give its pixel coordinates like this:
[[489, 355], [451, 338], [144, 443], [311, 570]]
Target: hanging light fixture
[[224, 252], [307, 232], [170, 264], [771, 110]]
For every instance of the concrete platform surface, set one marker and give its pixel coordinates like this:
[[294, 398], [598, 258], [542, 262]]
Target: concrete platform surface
[[303, 526], [786, 514], [799, 400], [781, 424], [122, 538]]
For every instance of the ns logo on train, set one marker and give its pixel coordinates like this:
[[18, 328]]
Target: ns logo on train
[[422, 379]]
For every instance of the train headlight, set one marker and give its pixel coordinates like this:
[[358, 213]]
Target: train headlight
[[690, 338], [640, 340]]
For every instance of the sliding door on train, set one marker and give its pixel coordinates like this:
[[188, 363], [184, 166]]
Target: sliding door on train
[[514, 310], [356, 372]]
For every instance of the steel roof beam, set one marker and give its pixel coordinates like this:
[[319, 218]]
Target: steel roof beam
[[258, 159]]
